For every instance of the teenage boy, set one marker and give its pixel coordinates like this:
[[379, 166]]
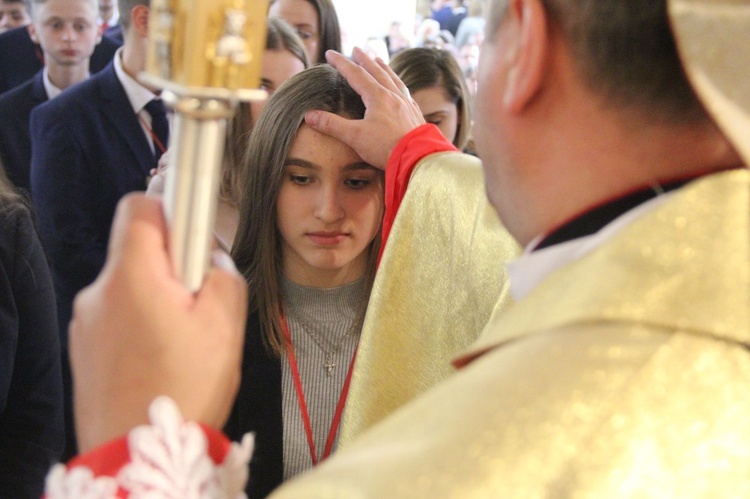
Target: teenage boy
[[21, 57], [91, 146], [67, 32]]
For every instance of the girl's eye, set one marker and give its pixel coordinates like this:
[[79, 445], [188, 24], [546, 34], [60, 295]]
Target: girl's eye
[[267, 85], [357, 183], [435, 122], [300, 179], [305, 35]]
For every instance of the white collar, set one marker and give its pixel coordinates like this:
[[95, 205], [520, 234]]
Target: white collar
[[138, 95], [49, 87], [532, 267]]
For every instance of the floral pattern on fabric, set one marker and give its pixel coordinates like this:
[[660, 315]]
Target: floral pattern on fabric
[[78, 482], [168, 459]]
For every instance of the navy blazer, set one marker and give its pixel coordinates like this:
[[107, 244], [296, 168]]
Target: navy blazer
[[31, 398], [87, 151], [115, 33], [21, 58], [15, 143], [257, 408]]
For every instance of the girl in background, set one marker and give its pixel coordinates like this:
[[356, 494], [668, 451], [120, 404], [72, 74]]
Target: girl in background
[[316, 23], [437, 84]]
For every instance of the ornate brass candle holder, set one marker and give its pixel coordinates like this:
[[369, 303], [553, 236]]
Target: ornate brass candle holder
[[205, 56]]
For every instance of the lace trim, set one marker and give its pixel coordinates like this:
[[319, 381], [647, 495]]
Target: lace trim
[[168, 459]]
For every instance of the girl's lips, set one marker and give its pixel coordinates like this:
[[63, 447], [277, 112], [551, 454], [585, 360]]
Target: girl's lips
[[326, 238]]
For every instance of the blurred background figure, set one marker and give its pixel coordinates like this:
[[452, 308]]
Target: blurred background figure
[[285, 56], [67, 32], [376, 47], [21, 58], [427, 30], [471, 28], [316, 23], [13, 14], [458, 14], [468, 59], [436, 83], [441, 11], [396, 40], [109, 20], [109, 15], [31, 394]]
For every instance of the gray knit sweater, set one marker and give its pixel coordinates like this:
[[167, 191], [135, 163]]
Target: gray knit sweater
[[327, 315]]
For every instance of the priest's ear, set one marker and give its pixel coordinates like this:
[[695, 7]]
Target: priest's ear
[[526, 51]]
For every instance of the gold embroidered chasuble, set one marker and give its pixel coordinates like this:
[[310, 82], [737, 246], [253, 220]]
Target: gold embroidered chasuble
[[623, 374], [440, 277]]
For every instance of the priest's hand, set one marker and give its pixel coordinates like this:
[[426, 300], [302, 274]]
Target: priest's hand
[[391, 113], [138, 333]]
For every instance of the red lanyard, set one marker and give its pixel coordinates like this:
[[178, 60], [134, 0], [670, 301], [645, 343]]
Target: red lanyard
[[303, 404], [157, 142]]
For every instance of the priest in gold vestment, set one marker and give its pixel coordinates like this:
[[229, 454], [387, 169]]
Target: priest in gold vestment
[[623, 369]]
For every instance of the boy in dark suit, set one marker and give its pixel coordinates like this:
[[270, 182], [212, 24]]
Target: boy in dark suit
[[67, 32], [91, 146], [21, 58]]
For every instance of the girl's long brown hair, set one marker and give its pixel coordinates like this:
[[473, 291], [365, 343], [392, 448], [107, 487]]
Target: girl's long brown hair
[[257, 246]]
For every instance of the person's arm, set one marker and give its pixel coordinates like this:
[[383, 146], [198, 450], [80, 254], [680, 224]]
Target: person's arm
[[410, 150], [31, 423], [137, 333], [63, 192]]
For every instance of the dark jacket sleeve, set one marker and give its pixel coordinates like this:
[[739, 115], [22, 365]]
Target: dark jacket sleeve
[[63, 189], [257, 409], [31, 421]]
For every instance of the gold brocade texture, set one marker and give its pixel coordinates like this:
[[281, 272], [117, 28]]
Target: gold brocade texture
[[704, 30], [440, 277], [624, 374]]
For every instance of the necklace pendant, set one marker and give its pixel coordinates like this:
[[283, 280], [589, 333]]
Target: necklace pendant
[[329, 365]]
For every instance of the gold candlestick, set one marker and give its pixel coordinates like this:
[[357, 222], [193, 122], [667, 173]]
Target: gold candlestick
[[205, 56]]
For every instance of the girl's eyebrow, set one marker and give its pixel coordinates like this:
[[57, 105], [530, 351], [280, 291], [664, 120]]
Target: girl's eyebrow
[[360, 165], [303, 163], [436, 114]]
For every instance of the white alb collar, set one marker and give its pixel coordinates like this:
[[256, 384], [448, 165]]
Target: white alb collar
[[532, 267]]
